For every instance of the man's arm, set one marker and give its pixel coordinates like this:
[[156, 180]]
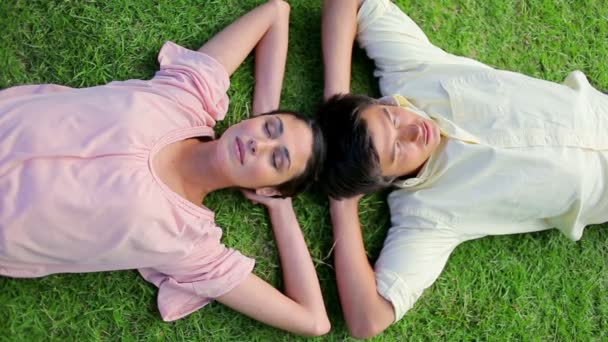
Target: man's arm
[[365, 311], [339, 28]]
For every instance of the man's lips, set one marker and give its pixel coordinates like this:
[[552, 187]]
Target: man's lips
[[240, 150], [425, 132]]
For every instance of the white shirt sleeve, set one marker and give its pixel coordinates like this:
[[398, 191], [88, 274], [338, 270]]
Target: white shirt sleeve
[[410, 261], [396, 43]]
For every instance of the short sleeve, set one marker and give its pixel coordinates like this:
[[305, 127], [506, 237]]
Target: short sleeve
[[395, 42], [410, 261], [196, 80], [197, 280]]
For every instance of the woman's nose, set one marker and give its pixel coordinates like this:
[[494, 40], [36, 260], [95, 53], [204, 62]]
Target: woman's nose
[[257, 146]]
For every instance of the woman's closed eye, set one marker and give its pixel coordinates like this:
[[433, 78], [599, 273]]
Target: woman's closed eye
[[273, 128], [267, 130], [277, 159], [280, 159]]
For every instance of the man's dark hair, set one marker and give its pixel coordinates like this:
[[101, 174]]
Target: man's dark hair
[[352, 165], [314, 165]]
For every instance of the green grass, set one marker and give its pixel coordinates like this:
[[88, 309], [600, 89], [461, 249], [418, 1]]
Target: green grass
[[527, 287]]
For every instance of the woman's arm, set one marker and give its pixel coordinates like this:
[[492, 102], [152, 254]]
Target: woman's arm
[[301, 309], [265, 28], [339, 28], [270, 59]]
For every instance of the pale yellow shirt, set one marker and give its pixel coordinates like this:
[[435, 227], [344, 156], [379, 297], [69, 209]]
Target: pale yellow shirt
[[519, 154]]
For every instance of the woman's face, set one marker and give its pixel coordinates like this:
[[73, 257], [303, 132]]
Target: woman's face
[[265, 151]]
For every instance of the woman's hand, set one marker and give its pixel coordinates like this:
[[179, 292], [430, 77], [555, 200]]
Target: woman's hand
[[271, 203]]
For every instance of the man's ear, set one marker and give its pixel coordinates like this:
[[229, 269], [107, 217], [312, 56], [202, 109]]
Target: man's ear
[[267, 191], [388, 101], [394, 100]]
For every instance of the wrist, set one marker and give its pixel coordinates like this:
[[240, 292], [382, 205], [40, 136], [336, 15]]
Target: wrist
[[280, 204], [334, 86], [347, 204], [344, 215]]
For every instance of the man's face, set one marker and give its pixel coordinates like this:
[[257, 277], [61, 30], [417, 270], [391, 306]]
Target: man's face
[[403, 140]]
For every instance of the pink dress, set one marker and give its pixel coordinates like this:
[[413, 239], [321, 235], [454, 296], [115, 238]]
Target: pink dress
[[78, 193]]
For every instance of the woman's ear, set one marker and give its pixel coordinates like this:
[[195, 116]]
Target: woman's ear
[[267, 191]]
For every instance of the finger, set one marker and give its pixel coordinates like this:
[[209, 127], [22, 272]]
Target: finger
[[251, 195]]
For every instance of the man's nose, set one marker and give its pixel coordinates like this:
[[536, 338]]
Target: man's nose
[[410, 132]]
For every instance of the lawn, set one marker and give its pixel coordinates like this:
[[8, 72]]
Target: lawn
[[527, 287]]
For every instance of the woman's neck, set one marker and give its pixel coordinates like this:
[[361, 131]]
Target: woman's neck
[[197, 169]]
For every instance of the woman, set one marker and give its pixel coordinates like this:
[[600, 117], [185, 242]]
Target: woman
[[112, 177]]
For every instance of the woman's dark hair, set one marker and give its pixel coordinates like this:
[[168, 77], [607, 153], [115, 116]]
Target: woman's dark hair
[[314, 165], [352, 165]]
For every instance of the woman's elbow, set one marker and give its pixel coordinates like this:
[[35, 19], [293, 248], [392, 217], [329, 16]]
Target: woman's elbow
[[366, 329], [320, 327], [283, 7]]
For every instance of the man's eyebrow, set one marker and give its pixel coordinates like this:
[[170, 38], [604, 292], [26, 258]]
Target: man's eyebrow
[[390, 120], [286, 154]]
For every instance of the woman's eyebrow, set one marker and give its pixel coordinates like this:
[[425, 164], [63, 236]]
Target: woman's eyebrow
[[280, 125], [287, 157]]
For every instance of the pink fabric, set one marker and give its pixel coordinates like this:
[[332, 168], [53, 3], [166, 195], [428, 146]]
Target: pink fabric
[[78, 193]]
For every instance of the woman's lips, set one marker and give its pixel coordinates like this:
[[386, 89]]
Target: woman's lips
[[240, 155]]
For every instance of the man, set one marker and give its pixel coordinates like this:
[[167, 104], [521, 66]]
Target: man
[[476, 151]]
